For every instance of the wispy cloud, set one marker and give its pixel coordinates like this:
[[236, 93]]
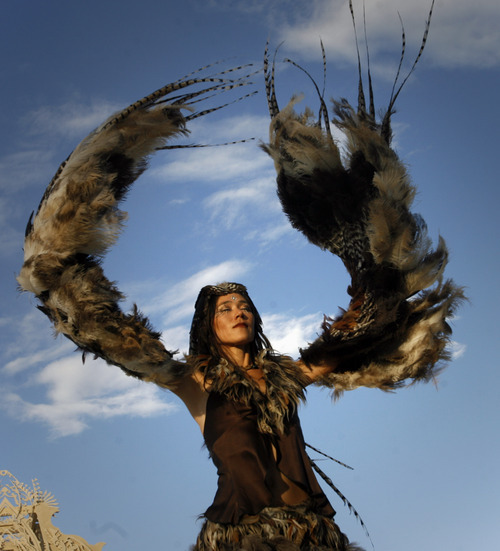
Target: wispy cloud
[[43, 129], [233, 127], [45, 354], [245, 7], [46, 132], [177, 302], [72, 119], [466, 34], [457, 349], [288, 333], [29, 342], [234, 206], [76, 394], [463, 33], [214, 164], [271, 233], [177, 338], [234, 162], [24, 168]]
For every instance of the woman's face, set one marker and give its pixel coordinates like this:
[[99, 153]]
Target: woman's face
[[233, 321]]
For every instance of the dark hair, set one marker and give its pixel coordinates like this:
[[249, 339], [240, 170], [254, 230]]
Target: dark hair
[[203, 341]]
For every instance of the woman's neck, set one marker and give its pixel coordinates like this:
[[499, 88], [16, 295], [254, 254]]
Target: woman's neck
[[238, 356]]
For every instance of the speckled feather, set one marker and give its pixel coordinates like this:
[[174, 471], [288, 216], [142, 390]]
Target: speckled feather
[[78, 219], [357, 206]]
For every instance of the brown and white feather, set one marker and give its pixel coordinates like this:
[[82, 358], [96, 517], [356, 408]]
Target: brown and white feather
[[356, 204], [78, 219]]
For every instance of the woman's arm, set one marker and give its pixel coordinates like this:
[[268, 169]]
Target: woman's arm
[[357, 206], [78, 219], [193, 391], [315, 373]]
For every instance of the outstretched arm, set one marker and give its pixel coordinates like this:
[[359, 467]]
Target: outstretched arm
[[357, 206], [78, 220]]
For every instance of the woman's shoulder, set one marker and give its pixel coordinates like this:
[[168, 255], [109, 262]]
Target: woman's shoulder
[[282, 367]]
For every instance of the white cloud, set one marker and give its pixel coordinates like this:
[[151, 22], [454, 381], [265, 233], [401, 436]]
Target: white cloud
[[31, 343], [227, 163], [178, 300], [43, 129], [272, 233], [234, 162], [457, 349], [235, 127], [24, 168], [177, 338], [466, 34], [234, 206], [288, 334], [463, 33], [243, 6], [71, 119], [42, 355], [77, 394]]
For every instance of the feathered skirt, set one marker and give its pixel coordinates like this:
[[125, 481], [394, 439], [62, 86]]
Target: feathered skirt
[[275, 529]]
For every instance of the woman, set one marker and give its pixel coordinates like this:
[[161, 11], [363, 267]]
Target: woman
[[243, 396]]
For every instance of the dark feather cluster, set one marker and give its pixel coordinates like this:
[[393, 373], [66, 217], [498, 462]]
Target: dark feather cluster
[[79, 218], [357, 205]]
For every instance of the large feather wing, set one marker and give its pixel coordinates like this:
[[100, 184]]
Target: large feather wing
[[357, 206], [78, 219]]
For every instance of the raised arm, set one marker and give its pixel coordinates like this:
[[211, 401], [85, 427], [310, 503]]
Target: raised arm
[[78, 220], [357, 206]]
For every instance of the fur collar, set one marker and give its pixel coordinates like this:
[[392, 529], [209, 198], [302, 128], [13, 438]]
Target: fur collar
[[284, 388]]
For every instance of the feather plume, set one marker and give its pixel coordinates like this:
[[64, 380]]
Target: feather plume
[[79, 218], [357, 206]]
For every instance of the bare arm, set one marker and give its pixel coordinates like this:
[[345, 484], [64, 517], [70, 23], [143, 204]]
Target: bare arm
[[193, 391], [316, 372]]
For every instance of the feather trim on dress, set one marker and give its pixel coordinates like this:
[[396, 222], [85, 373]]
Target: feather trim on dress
[[285, 385], [275, 529]]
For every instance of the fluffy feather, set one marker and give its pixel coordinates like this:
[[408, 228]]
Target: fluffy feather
[[357, 206], [78, 219]]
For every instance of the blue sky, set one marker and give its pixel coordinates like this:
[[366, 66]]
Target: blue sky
[[124, 459]]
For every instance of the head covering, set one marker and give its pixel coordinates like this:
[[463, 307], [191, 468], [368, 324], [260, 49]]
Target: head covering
[[202, 340]]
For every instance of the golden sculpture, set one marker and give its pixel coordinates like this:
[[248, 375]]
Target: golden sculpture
[[26, 520]]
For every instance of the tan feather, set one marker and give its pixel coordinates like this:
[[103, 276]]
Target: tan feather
[[79, 219], [357, 206]]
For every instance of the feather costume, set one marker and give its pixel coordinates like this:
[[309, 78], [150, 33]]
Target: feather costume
[[358, 208], [78, 220]]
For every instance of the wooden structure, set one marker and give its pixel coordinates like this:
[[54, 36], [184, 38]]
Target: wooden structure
[[26, 520]]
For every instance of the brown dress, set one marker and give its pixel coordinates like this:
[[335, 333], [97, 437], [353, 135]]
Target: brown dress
[[250, 464], [255, 470]]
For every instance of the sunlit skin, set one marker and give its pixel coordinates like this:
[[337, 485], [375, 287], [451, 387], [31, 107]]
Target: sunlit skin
[[234, 328]]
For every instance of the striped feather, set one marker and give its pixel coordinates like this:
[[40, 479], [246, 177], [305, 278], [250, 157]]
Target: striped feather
[[357, 205]]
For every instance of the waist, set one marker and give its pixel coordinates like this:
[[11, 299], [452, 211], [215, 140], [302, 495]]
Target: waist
[[298, 524]]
